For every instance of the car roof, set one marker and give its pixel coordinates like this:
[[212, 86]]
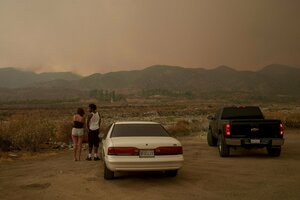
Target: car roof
[[136, 122]]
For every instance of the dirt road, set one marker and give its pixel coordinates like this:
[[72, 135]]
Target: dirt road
[[245, 175]]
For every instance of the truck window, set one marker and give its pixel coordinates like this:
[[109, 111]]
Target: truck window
[[242, 113]]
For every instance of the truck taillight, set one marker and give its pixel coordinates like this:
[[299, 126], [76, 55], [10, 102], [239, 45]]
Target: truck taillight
[[123, 151], [227, 129], [281, 129]]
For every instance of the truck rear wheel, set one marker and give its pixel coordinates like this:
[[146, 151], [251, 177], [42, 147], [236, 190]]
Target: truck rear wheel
[[210, 139], [224, 149], [274, 151]]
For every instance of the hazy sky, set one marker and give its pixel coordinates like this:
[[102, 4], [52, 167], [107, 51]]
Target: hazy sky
[[87, 36]]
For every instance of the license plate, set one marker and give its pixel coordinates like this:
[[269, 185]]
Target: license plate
[[255, 141], [146, 153]]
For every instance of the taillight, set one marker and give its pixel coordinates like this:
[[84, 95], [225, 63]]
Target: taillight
[[281, 129], [123, 151], [168, 150], [227, 130]]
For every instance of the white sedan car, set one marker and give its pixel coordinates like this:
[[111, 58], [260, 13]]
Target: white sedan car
[[140, 146]]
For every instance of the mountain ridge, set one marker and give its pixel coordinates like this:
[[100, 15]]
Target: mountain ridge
[[15, 78], [274, 79]]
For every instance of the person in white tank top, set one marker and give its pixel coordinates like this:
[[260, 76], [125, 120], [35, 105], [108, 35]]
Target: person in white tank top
[[93, 123]]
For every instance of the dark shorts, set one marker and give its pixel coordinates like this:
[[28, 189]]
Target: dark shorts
[[93, 138]]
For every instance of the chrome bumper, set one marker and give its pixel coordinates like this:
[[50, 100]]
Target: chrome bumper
[[134, 163], [247, 141]]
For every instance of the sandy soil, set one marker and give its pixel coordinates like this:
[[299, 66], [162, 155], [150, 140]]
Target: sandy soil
[[245, 175]]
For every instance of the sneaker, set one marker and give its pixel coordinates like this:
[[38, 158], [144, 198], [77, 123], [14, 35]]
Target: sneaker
[[96, 158], [89, 158]]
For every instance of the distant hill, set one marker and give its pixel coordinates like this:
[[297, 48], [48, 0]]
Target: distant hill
[[14, 78], [272, 80]]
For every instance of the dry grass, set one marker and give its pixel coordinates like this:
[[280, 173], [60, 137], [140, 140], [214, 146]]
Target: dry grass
[[63, 131], [290, 118], [23, 132], [30, 128], [186, 127]]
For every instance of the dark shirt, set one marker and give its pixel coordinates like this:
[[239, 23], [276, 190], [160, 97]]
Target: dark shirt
[[78, 124]]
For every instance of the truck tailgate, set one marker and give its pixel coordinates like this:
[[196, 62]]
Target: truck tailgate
[[255, 129]]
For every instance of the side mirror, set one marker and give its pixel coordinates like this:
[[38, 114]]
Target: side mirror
[[210, 117]]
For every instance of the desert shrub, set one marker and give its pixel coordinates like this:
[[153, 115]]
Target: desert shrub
[[27, 133], [4, 115], [63, 131], [292, 120], [181, 127], [289, 119], [185, 127], [5, 142], [199, 124]]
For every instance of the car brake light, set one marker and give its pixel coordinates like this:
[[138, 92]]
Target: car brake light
[[168, 150], [227, 130], [123, 151], [281, 129]]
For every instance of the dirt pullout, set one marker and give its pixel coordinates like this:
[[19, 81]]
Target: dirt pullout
[[245, 175]]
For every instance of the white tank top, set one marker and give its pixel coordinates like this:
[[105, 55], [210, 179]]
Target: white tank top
[[94, 121]]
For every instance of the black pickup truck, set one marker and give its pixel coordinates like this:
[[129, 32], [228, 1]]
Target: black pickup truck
[[245, 127]]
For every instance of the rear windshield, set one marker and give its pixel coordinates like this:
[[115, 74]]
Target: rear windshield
[[133, 130], [242, 113]]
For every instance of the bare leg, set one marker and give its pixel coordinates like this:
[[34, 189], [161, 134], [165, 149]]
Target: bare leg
[[75, 141], [79, 146]]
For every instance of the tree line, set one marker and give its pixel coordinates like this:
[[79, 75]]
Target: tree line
[[106, 95]]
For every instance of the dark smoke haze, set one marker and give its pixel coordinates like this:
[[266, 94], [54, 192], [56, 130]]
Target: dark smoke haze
[[87, 36]]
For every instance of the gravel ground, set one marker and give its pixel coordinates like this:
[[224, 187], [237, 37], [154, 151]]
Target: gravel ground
[[248, 174]]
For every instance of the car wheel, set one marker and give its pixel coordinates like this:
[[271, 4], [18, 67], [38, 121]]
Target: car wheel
[[108, 174], [171, 173], [210, 139], [274, 151], [224, 149]]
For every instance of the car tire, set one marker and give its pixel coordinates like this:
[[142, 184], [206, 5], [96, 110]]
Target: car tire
[[274, 151], [211, 141], [108, 174], [224, 149], [171, 173]]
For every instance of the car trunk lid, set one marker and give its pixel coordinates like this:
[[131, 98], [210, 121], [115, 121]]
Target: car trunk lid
[[144, 142]]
